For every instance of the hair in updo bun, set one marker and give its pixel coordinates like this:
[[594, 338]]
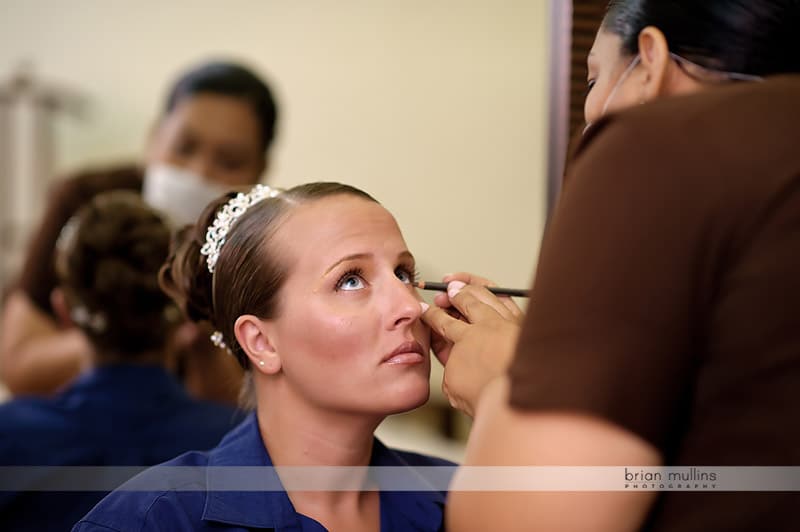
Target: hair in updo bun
[[248, 274], [107, 262]]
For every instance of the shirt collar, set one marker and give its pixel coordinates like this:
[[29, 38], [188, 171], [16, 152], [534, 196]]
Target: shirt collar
[[243, 446], [259, 509]]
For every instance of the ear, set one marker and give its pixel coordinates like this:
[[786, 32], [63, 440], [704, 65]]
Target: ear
[[654, 54], [58, 300], [254, 335]]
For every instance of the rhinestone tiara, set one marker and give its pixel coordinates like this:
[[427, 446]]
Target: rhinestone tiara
[[227, 216]]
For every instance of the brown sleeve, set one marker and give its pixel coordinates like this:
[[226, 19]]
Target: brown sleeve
[[609, 328], [38, 276]]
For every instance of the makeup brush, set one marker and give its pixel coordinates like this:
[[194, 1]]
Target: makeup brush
[[442, 287]]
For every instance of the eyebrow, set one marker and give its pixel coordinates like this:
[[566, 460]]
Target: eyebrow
[[356, 256]]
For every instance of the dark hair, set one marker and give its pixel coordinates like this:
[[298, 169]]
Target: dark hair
[[228, 79], [755, 37], [248, 274], [107, 260]]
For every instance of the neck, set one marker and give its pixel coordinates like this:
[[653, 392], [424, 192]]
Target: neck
[[297, 432]]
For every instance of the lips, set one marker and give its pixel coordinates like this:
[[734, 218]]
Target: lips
[[406, 353]]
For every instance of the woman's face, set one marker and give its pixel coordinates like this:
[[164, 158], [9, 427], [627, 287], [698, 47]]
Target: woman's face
[[214, 136], [348, 331], [607, 65]]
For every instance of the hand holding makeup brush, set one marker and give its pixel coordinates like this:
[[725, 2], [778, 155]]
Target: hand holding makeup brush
[[474, 334]]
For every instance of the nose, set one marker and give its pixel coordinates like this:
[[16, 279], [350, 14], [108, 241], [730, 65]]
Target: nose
[[402, 304]]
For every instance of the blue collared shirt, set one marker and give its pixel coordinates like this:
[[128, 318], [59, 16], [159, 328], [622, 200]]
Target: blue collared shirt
[[188, 508], [119, 415]]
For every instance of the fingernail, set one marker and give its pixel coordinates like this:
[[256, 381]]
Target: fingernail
[[454, 288], [424, 306]]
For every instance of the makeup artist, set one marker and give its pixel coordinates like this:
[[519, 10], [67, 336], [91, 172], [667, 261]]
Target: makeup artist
[[663, 322]]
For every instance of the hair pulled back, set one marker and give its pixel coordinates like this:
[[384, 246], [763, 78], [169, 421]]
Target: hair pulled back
[[754, 37], [249, 272], [108, 258], [225, 78]]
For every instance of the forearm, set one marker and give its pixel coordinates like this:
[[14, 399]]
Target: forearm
[[44, 364], [502, 436], [37, 357]]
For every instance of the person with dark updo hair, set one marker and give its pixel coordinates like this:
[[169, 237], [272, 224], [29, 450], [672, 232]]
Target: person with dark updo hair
[[213, 134], [662, 329], [127, 410], [312, 291]]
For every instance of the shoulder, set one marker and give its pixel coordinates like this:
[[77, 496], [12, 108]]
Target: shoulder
[[707, 156], [212, 419], [70, 193], [81, 186], [25, 425], [169, 496], [216, 412], [671, 130]]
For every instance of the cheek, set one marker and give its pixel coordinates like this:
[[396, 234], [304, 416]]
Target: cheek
[[626, 96], [157, 149], [595, 100], [326, 338], [591, 109]]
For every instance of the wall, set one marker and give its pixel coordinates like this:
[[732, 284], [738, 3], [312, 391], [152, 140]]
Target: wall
[[438, 108]]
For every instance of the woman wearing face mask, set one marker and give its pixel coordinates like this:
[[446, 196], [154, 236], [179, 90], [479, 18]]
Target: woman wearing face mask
[[662, 326], [215, 132], [128, 411], [312, 291]]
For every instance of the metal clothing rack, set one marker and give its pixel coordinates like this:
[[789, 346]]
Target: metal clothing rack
[[28, 108]]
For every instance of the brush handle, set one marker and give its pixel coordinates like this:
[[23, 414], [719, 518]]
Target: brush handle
[[497, 290]]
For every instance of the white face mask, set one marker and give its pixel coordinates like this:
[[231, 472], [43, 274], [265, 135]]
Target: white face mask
[[178, 194]]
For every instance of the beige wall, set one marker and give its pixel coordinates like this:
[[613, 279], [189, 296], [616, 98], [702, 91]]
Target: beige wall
[[437, 108]]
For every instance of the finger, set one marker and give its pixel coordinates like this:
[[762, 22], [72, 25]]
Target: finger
[[516, 312], [446, 393], [468, 278], [454, 313], [441, 347], [442, 356], [444, 325], [441, 300], [476, 303]]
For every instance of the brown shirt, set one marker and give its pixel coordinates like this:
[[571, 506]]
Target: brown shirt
[[38, 276], [667, 296]]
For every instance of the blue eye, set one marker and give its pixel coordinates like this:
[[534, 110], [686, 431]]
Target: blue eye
[[351, 280], [404, 275]]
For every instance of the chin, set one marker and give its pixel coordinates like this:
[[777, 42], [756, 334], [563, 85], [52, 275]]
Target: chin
[[406, 398]]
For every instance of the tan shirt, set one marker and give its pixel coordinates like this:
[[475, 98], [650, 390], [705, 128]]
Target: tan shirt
[[667, 296]]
